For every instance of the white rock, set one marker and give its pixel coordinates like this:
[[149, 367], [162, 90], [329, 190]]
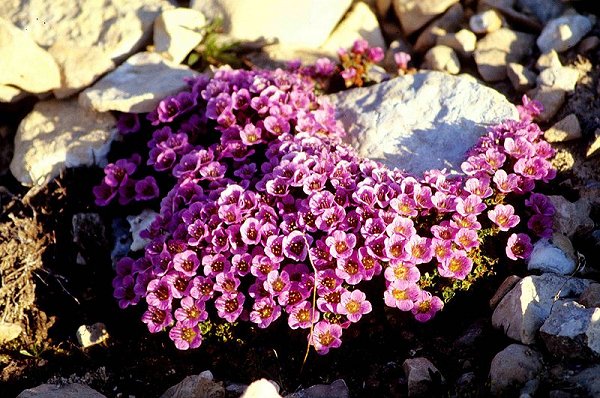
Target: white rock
[[89, 335], [572, 331], [138, 224], [195, 386], [137, 86], [360, 22], [9, 94], [566, 129], [562, 78], [74, 390], [485, 22], [297, 23], [512, 368], [546, 257], [59, 134], [497, 49], [525, 308], [520, 77], [571, 217], [261, 389], [443, 59], [463, 41], [418, 373], [548, 60], [413, 14], [177, 32], [421, 121], [562, 33], [9, 331], [23, 63]]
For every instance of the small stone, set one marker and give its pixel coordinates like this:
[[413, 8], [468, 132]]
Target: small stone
[[520, 77], [293, 23], [589, 379], [548, 59], [572, 331], [261, 389], [566, 129], [74, 390], [419, 373], [337, 389], [10, 94], [571, 217], [485, 22], [552, 99], [546, 257], [89, 335], [206, 374], [23, 63], [463, 42], [443, 59], [137, 86], [195, 386], [504, 288], [589, 44], [448, 22], [543, 10], [591, 296], [499, 48], [140, 223], [360, 22], [525, 308], [60, 134], [9, 331], [177, 32], [594, 146], [563, 33], [414, 14], [512, 367], [563, 78]]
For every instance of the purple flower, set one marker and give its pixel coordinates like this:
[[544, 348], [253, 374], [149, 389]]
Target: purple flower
[[264, 312], [472, 204], [146, 189], [173, 107], [401, 294], [295, 245], [426, 306], [519, 246], [191, 312], [186, 262], [202, 288], [541, 225], [375, 54], [185, 337], [504, 217], [229, 307], [157, 319], [103, 194], [540, 204], [354, 305], [360, 46], [277, 283], [128, 123], [125, 292], [302, 316], [325, 336], [341, 244]]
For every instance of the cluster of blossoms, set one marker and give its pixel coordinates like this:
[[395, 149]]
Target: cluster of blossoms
[[270, 216], [356, 62]]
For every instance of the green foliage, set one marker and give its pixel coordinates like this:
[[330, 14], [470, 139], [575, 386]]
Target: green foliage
[[214, 49]]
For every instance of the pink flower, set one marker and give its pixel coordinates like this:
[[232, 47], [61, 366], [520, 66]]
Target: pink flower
[[472, 204], [401, 294], [325, 336], [191, 312], [418, 249], [229, 307], [442, 248], [506, 183], [504, 217], [519, 246], [185, 337], [186, 262], [302, 316], [402, 59], [350, 269], [264, 312], [402, 271], [426, 306], [466, 239], [156, 319], [295, 246], [341, 244], [457, 266], [354, 305]]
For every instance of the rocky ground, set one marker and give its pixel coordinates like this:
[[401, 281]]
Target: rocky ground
[[68, 67]]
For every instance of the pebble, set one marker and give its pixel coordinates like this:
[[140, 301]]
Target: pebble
[[512, 367], [548, 59], [448, 22], [419, 373], [547, 257], [562, 33], [463, 42], [140, 223], [559, 77], [543, 10], [552, 99], [520, 77], [566, 129], [589, 379], [177, 32], [591, 296], [89, 335], [499, 48], [589, 44], [594, 146], [571, 217], [485, 22], [443, 59], [337, 389], [414, 14], [196, 386]]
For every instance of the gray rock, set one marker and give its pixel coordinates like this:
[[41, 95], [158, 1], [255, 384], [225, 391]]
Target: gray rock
[[543, 10], [559, 77], [552, 99], [546, 257], [443, 59], [60, 134], [591, 296], [562, 33], [548, 59], [499, 48], [294, 23], [414, 14], [137, 86], [527, 306], [196, 386], [89, 335], [572, 331], [442, 117], [589, 44], [74, 390], [485, 22], [337, 389], [261, 389], [571, 217], [594, 145], [448, 22], [177, 32], [463, 42], [520, 77], [566, 129], [23, 63], [9, 331], [512, 368], [419, 373], [138, 224], [505, 287], [589, 379]]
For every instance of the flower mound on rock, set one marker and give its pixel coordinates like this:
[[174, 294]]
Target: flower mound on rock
[[268, 215]]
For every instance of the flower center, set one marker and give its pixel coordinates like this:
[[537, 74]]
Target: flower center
[[231, 305], [188, 334], [399, 294], [326, 338], [353, 307], [341, 247]]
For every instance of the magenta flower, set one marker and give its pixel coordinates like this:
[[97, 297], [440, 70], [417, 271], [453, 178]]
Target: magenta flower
[[302, 316], [401, 294], [186, 262], [506, 183], [540, 204], [159, 294], [173, 107], [504, 217], [472, 204], [277, 283], [325, 336], [375, 54], [402, 271], [202, 288], [541, 225], [128, 123], [191, 312], [157, 319], [535, 168], [402, 59], [350, 269], [426, 306], [519, 246], [457, 266], [519, 147], [467, 239], [226, 283], [354, 305], [341, 244], [125, 292], [185, 337], [418, 249], [442, 248], [229, 307], [295, 246], [479, 186], [264, 312]]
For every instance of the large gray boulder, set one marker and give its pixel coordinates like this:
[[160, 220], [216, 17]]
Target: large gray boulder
[[422, 121], [512, 368]]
